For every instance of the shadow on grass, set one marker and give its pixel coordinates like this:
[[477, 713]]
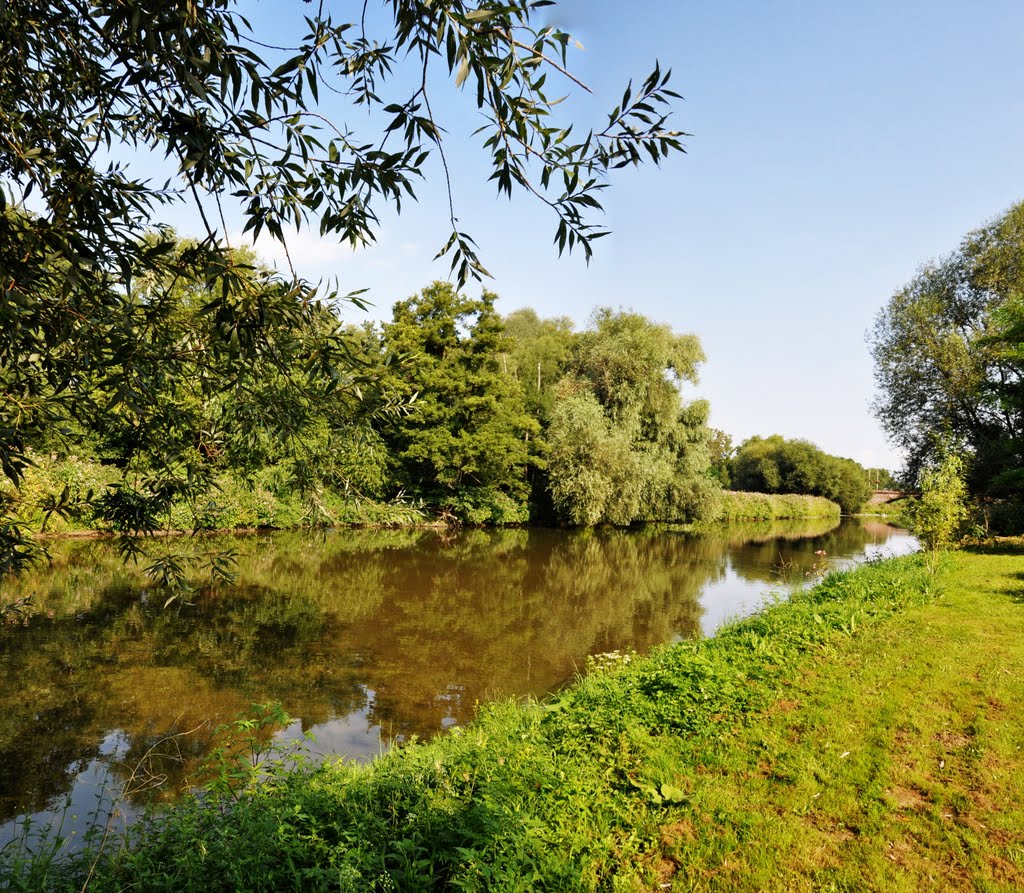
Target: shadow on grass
[[1003, 546], [997, 546], [1017, 594]]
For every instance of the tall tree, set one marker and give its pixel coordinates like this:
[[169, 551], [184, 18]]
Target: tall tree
[[538, 353], [776, 465], [948, 362], [463, 444], [624, 446], [722, 452], [91, 90]]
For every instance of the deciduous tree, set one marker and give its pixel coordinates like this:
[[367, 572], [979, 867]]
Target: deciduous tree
[[948, 359], [244, 127], [624, 446], [776, 465]]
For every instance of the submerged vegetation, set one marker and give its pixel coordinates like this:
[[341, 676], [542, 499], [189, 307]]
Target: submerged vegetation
[[831, 740]]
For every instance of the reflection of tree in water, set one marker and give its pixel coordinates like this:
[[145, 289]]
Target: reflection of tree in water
[[415, 626], [465, 627], [788, 557]]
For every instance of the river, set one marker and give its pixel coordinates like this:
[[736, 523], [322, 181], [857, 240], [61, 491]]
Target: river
[[366, 638]]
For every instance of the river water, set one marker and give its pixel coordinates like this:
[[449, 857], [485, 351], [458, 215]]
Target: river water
[[366, 638]]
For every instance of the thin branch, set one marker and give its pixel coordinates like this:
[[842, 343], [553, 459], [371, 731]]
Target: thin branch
[[210, 231], [268, 46], [539, 55], [437, 140]]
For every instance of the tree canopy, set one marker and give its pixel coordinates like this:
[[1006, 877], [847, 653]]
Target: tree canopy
[[777, 465], [463, 444], [949, 363], [623, 445], [247, 122], [324, 134]]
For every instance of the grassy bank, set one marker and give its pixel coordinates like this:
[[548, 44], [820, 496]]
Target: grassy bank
[[864, 735], [740, 506]]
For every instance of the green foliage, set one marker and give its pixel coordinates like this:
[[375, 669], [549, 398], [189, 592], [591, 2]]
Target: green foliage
[[432, 418], [463, 444], [938, 513], [775, 465], [56, 492], [165, 351], [206, 363], [744, 506], [882, 479], [595, 476], [722, 452], [538, 354], [189, 84], [247, 754], [623, 446], [948, 359]]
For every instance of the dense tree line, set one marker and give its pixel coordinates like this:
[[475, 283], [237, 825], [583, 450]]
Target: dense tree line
[[949, 355], [776, 465], [446, 410], [446, 407], [525, 419]]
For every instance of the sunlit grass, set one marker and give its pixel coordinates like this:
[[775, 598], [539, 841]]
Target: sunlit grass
[[897, 764]]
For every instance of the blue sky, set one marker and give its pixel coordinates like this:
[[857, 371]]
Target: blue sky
[[834, 148]]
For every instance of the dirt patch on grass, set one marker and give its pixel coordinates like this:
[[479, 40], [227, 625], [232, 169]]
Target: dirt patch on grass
[[681, 830], [952, 741], [1005, 872], [909, 798], [670, 856], [996, 706], [783, 706], [664, 870]]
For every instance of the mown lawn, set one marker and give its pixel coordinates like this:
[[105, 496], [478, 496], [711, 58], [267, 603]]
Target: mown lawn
[[865, 734], [894, 763]]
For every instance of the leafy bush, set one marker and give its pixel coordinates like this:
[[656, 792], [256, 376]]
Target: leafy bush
[[776, 465], [936, 516]]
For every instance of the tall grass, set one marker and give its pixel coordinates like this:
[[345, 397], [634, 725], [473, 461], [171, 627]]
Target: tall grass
[[741, 506]]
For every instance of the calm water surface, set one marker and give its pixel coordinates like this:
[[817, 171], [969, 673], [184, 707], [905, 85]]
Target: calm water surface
[[367, 638]]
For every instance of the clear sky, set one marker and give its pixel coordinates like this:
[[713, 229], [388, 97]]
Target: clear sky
[[834, 148]]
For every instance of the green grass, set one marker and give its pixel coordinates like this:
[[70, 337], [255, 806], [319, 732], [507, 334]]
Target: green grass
[[863, 735], [736, 505], [896, 764]]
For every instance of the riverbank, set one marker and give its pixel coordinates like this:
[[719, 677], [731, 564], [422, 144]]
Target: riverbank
[[866, 734], [61, 498]]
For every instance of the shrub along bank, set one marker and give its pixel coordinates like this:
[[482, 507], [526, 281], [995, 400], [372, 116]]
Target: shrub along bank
[[741, 506], [865, 734], [66, 495], [60, 495]]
